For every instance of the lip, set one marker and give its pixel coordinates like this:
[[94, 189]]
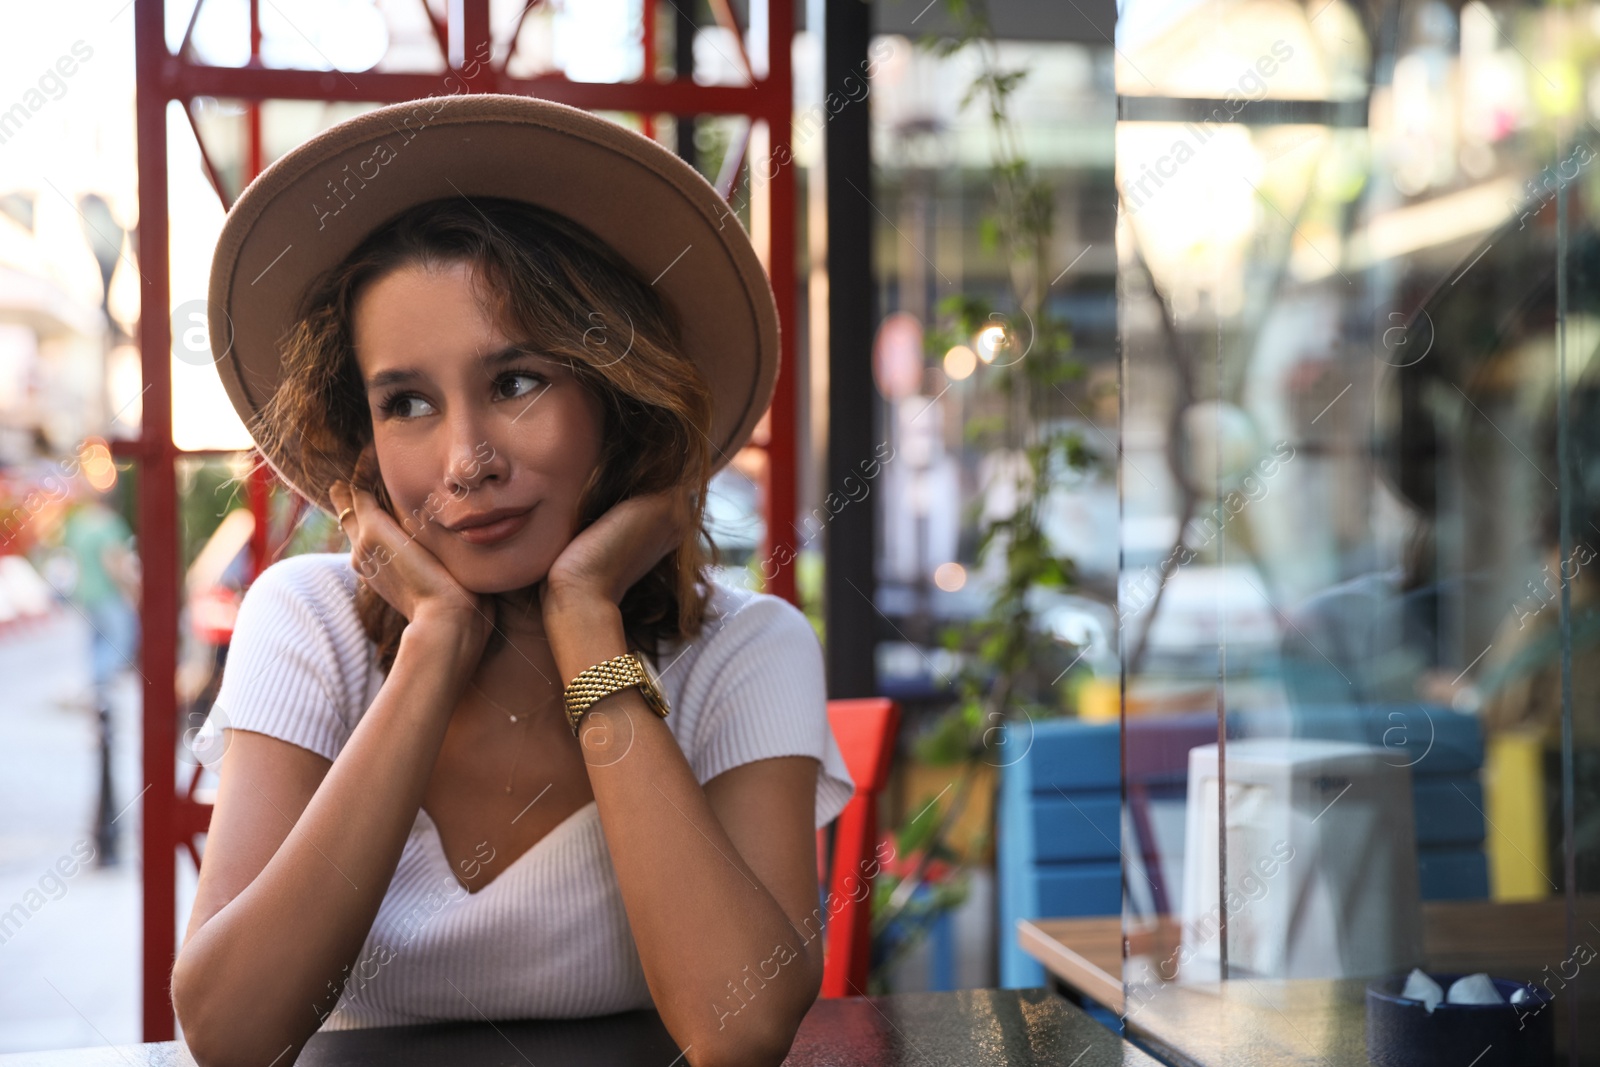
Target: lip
[[501, 524]]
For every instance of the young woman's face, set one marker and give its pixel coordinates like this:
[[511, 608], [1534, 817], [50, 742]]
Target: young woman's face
[[464, 424]]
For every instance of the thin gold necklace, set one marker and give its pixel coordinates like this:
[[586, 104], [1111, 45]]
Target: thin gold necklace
[[513, 716]]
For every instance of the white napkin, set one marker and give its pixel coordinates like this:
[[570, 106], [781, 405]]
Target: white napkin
[[1473, 989], [1420, 987]]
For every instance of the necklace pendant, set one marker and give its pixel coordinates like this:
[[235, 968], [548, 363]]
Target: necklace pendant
[[513, 718], [508, 790]]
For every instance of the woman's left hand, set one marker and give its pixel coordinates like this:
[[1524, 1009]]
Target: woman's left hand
[[620, 547]]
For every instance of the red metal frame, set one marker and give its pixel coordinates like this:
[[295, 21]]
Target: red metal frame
[[173, 819]]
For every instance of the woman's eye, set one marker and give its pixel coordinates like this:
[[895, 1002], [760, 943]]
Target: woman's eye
[[530, 382], [400, 405]]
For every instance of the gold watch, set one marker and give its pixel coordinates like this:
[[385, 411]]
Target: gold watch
[[613, 675]]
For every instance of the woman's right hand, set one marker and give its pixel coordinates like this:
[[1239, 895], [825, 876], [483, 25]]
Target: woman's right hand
[[409, 577]]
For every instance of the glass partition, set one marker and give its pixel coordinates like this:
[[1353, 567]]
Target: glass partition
[[1360, 496]]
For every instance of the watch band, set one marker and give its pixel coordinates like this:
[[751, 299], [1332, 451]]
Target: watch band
[[607, 677]]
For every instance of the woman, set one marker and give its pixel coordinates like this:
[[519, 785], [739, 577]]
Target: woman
[[447, 792]]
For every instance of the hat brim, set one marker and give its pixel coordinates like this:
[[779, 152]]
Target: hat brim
[[307, 211]]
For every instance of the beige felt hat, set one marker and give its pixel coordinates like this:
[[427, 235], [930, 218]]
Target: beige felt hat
[[311, 207]]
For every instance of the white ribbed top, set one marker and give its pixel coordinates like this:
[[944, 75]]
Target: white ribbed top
[[548, 936]]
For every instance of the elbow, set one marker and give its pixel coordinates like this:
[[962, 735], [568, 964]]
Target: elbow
[[211, 1046], [776, 1050], [224, 1054], [194, 1013], [215, 1035], [747, 1050], [204, 1053], [189, 1008], [754, 1042]]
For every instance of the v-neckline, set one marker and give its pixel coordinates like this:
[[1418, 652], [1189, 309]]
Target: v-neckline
[[439, 853]]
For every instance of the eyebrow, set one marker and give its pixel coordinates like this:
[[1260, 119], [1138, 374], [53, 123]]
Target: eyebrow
[[395, 375]]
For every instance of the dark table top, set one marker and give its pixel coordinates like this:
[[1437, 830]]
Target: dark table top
[[968, 1028]]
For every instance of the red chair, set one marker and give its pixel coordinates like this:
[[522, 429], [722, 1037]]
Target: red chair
[[865, 732]]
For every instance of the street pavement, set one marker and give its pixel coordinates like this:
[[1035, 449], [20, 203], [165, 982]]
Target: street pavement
[[69, 929]]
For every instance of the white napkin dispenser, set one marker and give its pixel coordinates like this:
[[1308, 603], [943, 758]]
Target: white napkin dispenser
[[1321, 863]]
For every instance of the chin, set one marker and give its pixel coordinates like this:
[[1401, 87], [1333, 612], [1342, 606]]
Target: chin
[[494, 584], [490, 569]]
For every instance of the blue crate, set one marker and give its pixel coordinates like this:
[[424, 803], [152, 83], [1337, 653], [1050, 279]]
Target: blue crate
[[1072, 890], [1072, 755], [1453, 874], [1078, 827], [1449, 810], [1057, 833]]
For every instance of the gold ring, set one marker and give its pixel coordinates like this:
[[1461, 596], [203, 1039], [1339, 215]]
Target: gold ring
[[342, 514]]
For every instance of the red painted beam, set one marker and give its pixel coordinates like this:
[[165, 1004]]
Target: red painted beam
[[190, 818], [678, 96], [466, 37], [158, 543]]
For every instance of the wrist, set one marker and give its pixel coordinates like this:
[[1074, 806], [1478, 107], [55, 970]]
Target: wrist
[[582, 630], [446, 637], [572, 597]]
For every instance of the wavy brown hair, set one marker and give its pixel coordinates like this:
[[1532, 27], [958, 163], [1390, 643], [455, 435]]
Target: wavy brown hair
[[557, 288]]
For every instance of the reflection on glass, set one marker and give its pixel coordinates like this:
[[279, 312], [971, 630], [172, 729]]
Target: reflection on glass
[[1361, 512]]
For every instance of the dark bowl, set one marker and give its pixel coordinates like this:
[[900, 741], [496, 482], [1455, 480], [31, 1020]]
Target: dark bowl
[[1402, 1033]]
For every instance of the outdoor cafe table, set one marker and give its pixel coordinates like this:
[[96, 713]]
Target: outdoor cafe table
[[967, 1028], [1304, 1022]]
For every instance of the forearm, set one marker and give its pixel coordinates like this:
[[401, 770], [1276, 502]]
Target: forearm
[[729, 973], [264, 971]]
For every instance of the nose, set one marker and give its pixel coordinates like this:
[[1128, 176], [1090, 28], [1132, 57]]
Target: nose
[[474, 460]]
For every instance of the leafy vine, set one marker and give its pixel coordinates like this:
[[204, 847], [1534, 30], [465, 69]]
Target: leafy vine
[[1010, 670]]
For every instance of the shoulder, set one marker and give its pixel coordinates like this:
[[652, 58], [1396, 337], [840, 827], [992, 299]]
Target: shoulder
[[740, 623], [311, 569], [750, 645], [322, 582], [735, 614], [109, 521], [312, 597], [751, 686], [299, 666], [93, 520]]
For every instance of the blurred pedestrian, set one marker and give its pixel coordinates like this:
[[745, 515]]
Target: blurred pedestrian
[[106, 594]]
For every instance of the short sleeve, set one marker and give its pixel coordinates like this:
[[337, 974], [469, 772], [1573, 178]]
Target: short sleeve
[[284, 675], [760, 691]]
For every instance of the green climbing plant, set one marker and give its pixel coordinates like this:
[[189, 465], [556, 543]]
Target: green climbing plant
[[1009, 670]]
